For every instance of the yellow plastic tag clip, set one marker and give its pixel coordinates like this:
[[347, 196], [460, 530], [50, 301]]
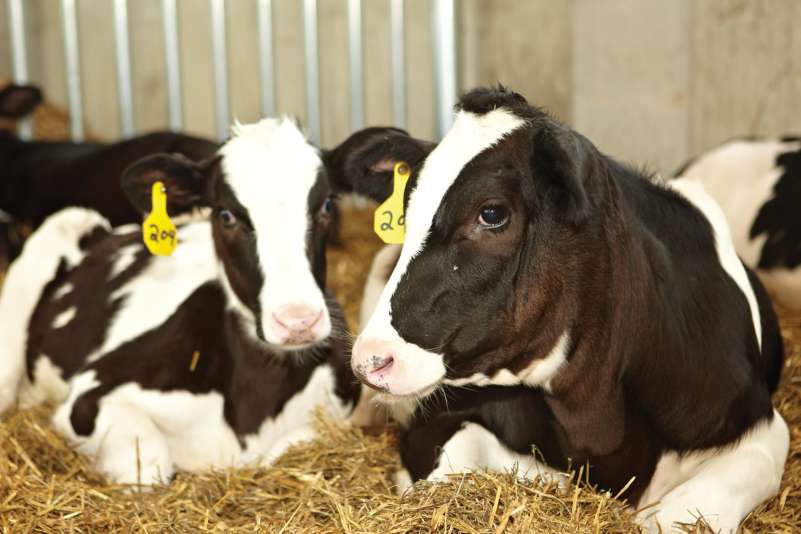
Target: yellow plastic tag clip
[[389, 220], [158, 231]]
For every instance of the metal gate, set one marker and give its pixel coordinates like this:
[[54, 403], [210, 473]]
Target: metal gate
[[444, 55]]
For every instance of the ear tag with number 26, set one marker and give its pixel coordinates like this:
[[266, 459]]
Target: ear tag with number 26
[[158, 231], [389, 220]]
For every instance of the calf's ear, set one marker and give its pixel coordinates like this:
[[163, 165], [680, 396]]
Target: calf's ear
[[186, 181], [365, 161], [567, 160], [17, 101]]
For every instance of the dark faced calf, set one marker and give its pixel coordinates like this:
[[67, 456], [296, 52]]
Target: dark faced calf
[[41, 177], [757, 183], [593, 314], [215, 356]]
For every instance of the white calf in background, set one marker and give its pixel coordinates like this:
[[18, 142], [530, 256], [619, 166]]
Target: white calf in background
[[757, 183]]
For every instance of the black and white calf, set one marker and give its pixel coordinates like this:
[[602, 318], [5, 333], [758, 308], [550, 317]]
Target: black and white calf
[[593, 314], [215, 356], [757, 183]]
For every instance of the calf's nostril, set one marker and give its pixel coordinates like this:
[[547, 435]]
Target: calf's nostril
[[380, 363]]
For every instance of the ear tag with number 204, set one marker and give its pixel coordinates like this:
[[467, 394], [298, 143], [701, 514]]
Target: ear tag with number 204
[[389, 220], [158, 231]]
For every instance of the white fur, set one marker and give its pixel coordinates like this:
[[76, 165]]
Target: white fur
[[741, 176], [403, 481], [271, 168], [382, 266], [153, 296], [50, 385], [695, 193], [61, 291], [125, 258], [294, 423], [414, 368], [474, 448], [721, 485], [538, 373], [178, 429], [63, 318], [56, 239]]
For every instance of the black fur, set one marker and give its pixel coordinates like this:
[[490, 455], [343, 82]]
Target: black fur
[[779, 219]]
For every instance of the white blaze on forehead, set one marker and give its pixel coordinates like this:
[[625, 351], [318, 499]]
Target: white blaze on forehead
[[271, 168], [470, 135]]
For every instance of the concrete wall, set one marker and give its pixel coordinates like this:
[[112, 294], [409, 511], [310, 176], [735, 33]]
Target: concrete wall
[[648, 81]]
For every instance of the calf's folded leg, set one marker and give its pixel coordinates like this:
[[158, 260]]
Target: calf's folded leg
[[125, 444], [448, 445], [722, 486]]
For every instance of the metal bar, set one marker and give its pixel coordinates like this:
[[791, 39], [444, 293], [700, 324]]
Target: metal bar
[[124, 90], [222, 112], [312, 68], [172, 59], [443, 22], [69, 26], [19, 55], [266, 59], [356, 64], [398, 63]]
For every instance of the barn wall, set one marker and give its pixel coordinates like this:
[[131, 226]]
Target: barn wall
[[649, 81]]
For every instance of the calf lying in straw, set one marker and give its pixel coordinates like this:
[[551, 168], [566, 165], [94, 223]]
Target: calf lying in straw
[[215, 356], [566, 308]]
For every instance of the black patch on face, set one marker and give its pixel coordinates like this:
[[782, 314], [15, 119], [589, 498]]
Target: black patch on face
[[323, 215], [779, 217], [236, 246]]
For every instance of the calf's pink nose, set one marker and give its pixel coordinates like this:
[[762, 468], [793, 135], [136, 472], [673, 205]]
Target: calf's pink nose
[[372, 361], [297, 317]]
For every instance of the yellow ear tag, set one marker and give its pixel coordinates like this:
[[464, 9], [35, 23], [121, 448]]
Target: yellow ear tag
[[389, 221], [158, 231]]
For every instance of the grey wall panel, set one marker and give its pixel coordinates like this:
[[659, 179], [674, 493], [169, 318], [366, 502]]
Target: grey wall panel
[[746, 70], [631, 62]]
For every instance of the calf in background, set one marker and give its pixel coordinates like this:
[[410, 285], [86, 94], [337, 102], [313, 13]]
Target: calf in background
[[757, 182]]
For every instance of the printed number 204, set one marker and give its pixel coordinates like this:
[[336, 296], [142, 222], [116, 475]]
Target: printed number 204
[[157, 235]]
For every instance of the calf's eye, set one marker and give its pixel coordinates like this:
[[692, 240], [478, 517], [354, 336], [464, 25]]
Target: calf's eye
[[493, 216], [328, 205], [228, 219]]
